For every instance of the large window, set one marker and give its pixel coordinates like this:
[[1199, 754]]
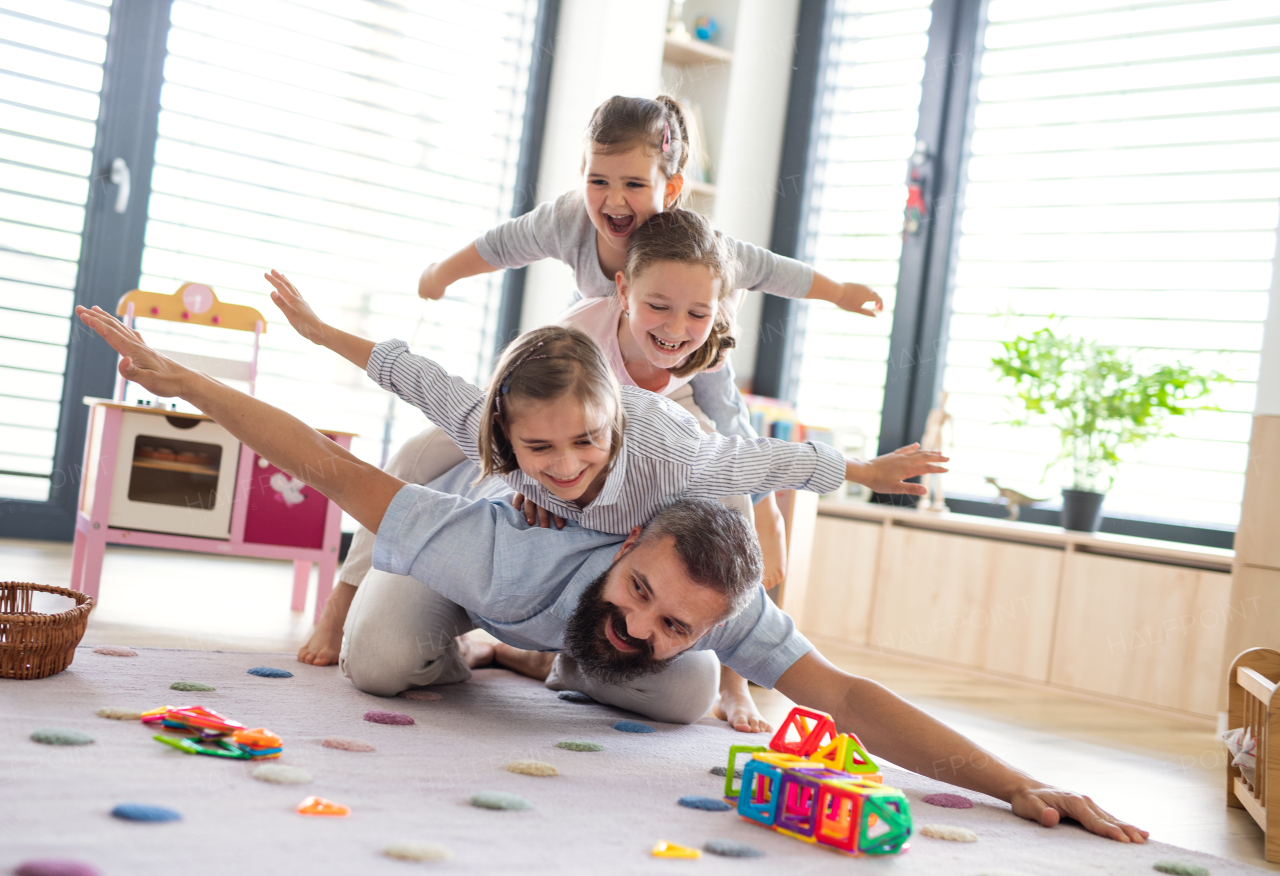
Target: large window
[[1124, 176], [348, 145], [1114, 167], [51, 54], [868, 112]]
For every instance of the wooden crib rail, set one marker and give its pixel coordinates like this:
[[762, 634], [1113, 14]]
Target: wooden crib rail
[[1254, 704]]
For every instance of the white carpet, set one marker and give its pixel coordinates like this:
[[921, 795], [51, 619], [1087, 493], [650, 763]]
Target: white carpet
[[602, 814]]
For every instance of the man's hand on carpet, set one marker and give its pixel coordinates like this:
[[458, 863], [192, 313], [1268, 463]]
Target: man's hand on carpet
[[1048, 805]]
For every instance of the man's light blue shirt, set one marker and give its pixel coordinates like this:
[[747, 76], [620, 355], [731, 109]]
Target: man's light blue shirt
[[522, 583]]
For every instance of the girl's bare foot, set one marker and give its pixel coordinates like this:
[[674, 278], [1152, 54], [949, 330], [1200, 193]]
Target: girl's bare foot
[[741, 713], [535, 664], [325, 644], [476, 652], [736, 706]]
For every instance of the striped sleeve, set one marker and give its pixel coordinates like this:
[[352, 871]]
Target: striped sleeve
[[714, 466], [450, 402]]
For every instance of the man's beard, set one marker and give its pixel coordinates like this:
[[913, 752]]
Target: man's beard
[[599, 660]]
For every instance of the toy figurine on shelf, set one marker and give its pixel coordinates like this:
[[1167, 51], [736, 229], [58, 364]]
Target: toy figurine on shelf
[[938, 435], [819, 786], [675, 21], [1013, 498]]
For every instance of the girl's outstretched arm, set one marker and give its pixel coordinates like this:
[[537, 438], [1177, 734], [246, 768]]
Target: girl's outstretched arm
[[354, 349], [439, 276], [360, 489]]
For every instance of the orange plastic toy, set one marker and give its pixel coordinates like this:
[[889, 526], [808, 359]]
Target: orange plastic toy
[[321, 806]]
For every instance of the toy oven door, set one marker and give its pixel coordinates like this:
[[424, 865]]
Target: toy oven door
[[174, 475]]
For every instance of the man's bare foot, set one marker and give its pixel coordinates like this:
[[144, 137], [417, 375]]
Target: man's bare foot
[[325, 644], [535, 664], [476, 652]]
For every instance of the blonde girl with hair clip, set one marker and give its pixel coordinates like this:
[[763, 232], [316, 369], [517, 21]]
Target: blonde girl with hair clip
[[556, 427]]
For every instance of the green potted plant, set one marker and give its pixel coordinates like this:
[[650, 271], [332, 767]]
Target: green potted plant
[[1100, 401]]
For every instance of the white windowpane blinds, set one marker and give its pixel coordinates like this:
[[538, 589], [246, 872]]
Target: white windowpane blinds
[[1124, 176], [869, 108], [51, 54], [348, 144]]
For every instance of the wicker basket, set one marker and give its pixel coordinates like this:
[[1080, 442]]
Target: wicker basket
[[34, 645]]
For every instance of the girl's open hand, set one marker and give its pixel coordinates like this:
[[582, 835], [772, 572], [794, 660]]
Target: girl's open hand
[[886, 474], [535, 513], [856, 298], [141, 364], [295, 309]]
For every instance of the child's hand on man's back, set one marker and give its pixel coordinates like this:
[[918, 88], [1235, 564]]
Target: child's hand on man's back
[[296, 310]]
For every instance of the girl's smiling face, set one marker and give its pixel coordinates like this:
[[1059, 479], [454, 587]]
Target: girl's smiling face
[[560, 446], [623, 189], [671, 307]]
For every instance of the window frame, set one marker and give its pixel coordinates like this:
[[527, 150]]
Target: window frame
[[917, 341], [112, 243]]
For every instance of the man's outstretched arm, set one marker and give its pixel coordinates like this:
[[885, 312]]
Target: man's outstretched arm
[[893, 728], [360, 489]]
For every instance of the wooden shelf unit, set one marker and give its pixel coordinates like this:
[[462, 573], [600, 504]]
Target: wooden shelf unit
[[693, 51], [1132, 619]]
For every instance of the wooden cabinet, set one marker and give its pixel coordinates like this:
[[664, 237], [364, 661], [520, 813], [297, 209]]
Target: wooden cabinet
[[979, 602], [1112, 616], [1144, 631], [842, 575]]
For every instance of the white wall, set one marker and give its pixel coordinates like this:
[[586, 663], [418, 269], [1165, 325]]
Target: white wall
[[607, 47], [603, 48], [1269, 370], [747, 180]]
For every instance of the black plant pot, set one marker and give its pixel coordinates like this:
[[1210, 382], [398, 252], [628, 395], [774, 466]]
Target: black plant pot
[[1082, 510]]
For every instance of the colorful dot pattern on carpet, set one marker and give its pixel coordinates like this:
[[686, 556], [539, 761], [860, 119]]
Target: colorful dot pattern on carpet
[[414, 851], [142, 812], [731, 849], [949, 832], [60, 736], [500, 800], [721, 771], [342, 743], [708, 804], [572, 696], [532, 768], [949, 801], [422, 696], [56, 867], [1180, 868], [580, 746], [282, 774], [115, 651], [269, 672], [119, 714], [378, 716], [192, 686], [633, 727]]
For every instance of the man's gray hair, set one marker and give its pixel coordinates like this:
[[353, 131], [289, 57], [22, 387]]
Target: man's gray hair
[[717, 545]]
